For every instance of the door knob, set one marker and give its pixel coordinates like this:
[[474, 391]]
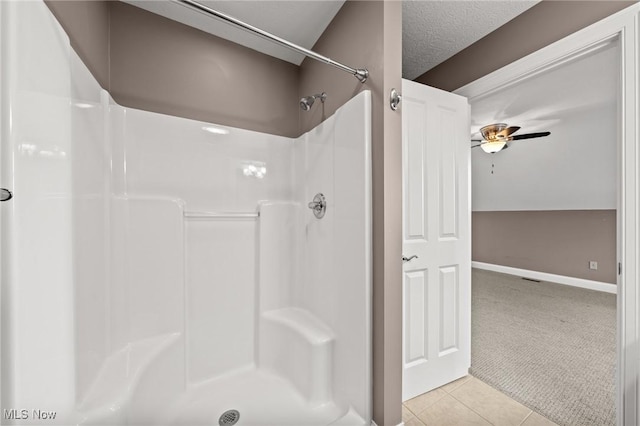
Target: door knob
[[409, 259]]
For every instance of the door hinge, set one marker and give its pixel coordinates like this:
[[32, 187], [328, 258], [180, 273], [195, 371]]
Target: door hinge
[[619, 268]]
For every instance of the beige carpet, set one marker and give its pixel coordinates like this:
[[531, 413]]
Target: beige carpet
[[549, 346]]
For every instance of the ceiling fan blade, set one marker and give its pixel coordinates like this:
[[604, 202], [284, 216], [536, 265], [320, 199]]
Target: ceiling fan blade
[[529, 136], [507, 132], [476, 140], [475, 146]]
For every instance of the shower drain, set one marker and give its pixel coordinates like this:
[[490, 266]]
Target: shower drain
[[229, 418]]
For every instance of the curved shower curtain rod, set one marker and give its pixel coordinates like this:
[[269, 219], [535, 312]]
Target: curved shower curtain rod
[[360, 73]]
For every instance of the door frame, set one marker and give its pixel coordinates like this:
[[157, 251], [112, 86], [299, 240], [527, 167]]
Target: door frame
[[623, 26]]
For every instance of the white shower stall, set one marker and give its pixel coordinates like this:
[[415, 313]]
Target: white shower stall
[[158, 270]]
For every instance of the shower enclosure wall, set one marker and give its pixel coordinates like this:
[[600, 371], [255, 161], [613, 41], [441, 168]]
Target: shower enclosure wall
[[159, 270]]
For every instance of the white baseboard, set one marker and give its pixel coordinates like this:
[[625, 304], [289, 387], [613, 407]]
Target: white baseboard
[[543, 276]]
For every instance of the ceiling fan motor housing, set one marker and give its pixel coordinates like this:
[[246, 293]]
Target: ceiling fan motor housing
[[492, 131]]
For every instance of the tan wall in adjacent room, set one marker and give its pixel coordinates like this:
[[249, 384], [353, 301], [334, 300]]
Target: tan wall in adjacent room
[[543, 24], [560, 242], [368, 34]]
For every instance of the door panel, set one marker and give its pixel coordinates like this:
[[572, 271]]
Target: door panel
[[416, 316], [448, 173], [415, 175], [449, 302], [436, 228]]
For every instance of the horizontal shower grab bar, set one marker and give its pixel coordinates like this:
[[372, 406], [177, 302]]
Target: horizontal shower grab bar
[[360, 73], [221, 215]]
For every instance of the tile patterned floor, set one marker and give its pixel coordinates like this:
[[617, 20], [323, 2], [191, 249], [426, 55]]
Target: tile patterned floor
[[468, 402]]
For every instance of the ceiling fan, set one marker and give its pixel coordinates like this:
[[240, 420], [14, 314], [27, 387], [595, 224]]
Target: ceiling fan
[[497, 135]]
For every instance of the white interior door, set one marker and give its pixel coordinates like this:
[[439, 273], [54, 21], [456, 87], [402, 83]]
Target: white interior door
[[436, 229]]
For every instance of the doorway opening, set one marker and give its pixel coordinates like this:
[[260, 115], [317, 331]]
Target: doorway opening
[[546, 209], [599, 104]]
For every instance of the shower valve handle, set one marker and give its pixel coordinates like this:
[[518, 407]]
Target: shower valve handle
[[318, 205]]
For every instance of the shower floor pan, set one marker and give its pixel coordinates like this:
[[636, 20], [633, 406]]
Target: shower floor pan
[[153, 393], [261, 398]]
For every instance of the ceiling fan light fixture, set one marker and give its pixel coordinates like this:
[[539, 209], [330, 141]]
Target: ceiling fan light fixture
[[497, 135], [491, 147]]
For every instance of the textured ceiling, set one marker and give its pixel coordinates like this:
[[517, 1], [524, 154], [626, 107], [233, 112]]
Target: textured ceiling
[[301, 22], [433, 31]]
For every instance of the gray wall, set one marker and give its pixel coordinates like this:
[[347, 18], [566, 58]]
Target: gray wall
[[155, 64], [87, 24], [559, 242], [163, 66]]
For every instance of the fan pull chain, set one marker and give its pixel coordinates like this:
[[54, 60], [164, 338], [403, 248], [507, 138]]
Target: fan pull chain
[[492, 166]]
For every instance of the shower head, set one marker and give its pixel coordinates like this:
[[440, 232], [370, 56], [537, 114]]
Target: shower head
[[307, 102]]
